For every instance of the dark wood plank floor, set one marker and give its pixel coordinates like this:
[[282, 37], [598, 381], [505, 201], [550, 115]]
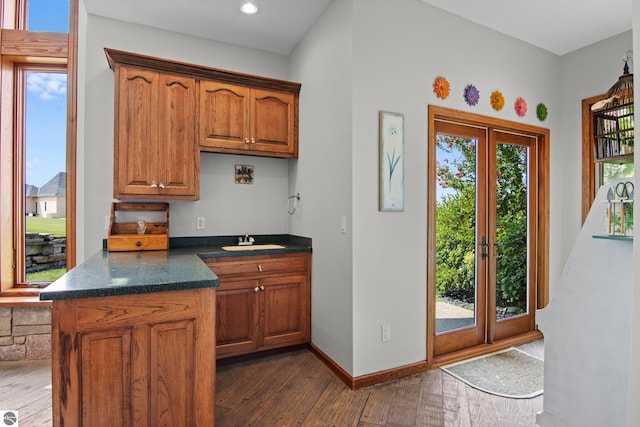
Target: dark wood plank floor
[[296, 389]]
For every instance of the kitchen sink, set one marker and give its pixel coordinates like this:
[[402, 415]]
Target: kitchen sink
[[252, 247]]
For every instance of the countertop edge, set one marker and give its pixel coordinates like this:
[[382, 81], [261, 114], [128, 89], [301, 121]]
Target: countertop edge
[[185, 260], [128, 290]]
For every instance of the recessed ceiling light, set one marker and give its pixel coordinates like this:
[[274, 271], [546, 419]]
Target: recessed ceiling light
[[249, 8]]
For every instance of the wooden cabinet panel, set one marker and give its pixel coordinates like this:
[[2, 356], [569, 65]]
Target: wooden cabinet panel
[[156, 155], [242, 120], [238, 266], [177, 136], [287, 317], [143, 359], [172, 377], [273, 124], [110, 376], [236, 318], [135, 159], [224, 115], [263, 302]]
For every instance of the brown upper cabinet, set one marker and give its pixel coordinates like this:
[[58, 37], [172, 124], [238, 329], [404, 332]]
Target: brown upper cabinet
[[243, 120], [155, 154], [166, 112]]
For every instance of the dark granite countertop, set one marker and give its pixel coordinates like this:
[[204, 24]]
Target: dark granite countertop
[[211, 247], [180, 267]]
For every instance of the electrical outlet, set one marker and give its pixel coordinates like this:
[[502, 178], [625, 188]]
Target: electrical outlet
[[107, 218], [200, 223], [386, 333]]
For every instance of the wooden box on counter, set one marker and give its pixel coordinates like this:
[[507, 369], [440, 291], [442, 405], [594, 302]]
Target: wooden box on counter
[[124, 236]]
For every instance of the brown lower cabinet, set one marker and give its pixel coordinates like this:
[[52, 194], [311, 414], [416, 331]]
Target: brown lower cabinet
[[134, 360], [263, 302]]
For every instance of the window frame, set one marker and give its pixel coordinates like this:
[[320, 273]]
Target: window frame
[[588, 163], [20, 78], [24, 48]]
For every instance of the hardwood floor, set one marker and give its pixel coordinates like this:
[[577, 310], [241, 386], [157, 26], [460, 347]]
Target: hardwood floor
[[25, 386], [295, 388]]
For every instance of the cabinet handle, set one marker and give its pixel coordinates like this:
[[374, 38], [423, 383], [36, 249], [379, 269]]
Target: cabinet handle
[[246, 140], [256, 289], [153, 184], [161, 185], [262, 287], [260, 267], [253, 141]]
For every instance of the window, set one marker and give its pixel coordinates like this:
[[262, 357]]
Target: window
[[47, 15], [596, 174], [37, 153]]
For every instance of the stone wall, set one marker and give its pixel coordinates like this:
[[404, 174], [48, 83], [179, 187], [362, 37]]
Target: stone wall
[[44, 251], [25, 333]]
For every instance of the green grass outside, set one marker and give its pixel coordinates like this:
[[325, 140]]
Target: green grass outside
[[46, 275], [56, 226]]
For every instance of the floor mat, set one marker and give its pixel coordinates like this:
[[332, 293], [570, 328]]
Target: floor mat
[[509, 373]]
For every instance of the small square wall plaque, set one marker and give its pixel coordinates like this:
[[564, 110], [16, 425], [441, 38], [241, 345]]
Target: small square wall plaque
[[244, 174]]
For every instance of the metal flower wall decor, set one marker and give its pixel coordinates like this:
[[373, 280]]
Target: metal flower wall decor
[[497, 100], [541, 112], [441, 87], [471, 96], [520, 106]]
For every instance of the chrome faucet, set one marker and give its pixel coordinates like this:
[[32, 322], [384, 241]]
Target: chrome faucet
[[246, 240]]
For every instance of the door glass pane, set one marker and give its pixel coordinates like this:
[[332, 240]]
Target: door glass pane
[[45, 176], [511, 248], [455, 232], [48, 15]]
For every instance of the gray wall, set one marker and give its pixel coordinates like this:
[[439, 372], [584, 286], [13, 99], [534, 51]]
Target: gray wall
[[323, 175]]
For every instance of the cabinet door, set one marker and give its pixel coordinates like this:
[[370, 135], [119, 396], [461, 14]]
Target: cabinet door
[[172, 373], [286, 310], [179, 157], [236, 317], [224, 116], [134, 360], [136, 154], [273, 122], [105, 361]]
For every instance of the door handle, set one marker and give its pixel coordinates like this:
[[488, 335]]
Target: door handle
[[484, 248]]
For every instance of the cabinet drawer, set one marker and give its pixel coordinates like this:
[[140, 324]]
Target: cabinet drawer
[[252, 266]]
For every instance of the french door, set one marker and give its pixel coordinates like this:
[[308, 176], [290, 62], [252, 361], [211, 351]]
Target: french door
[[483, 239]]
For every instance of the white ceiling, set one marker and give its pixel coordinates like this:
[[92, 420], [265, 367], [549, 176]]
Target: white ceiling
[[559, 26], [277, 27]]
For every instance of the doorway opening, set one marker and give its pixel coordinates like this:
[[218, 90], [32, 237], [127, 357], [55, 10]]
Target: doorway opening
[[488, 233]]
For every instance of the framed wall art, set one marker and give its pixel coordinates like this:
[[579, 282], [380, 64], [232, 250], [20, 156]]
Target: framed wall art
[[244, 174], [391, 185]]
